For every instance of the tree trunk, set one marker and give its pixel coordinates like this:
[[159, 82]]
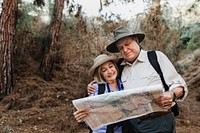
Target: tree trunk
[[47, 63], [7, 32]]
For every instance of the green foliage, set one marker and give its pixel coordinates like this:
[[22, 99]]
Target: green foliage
[[194, 43], [27, 14], [193, 33], [29, 27], [191, 47]]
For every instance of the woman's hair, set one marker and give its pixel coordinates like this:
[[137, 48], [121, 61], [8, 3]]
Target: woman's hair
[[98, 75]]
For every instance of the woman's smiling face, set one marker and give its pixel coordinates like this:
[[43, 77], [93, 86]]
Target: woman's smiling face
[[108, 71]]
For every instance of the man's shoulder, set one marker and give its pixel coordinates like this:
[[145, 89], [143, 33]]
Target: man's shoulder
[[160, 54]]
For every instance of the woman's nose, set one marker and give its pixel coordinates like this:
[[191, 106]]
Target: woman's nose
[[109, 70]]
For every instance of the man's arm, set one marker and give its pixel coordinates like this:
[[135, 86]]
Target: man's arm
[[172, 78], [178, 92], [90, 88]]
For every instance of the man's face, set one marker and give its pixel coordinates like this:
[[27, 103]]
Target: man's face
[[128, 48]]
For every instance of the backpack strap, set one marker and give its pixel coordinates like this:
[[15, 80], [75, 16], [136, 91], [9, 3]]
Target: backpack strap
[[101, 88], [154, 62]]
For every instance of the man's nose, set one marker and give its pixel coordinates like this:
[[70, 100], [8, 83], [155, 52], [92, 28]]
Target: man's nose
[[125, 49]]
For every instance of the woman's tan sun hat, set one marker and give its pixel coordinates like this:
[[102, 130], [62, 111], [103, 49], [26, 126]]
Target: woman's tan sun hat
[[99, 60], [120, 33]]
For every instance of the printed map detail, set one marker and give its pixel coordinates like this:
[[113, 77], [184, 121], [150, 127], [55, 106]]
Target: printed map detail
[[118, 106]]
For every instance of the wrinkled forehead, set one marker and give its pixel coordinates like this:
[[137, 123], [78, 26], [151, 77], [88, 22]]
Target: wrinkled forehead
[[124, 41]]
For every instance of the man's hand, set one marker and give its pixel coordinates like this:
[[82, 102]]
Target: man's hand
[[166, 100], [90, 88], [80, 115]]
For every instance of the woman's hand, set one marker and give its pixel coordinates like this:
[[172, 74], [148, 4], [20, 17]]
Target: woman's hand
[[90, 88], [80, 115]]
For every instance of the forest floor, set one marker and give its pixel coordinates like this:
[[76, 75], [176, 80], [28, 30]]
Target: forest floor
[[38, 106]]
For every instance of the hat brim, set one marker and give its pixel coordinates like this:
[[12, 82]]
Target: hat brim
[[93, 68], [113, 48]]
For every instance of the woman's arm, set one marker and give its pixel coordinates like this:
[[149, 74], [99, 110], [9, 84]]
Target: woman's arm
[[80, 115]]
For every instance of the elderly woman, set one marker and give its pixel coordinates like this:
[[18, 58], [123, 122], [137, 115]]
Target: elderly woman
[[104, 71]]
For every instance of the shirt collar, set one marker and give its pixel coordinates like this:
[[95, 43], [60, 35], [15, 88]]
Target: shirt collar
[[140, 58]]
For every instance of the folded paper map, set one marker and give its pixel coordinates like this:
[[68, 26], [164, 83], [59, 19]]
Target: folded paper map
[[117, 106]]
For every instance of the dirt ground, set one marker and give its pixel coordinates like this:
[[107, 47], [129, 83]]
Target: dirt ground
[[38, 106]]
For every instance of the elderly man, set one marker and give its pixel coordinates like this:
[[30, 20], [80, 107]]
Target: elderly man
[[138, 72]]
